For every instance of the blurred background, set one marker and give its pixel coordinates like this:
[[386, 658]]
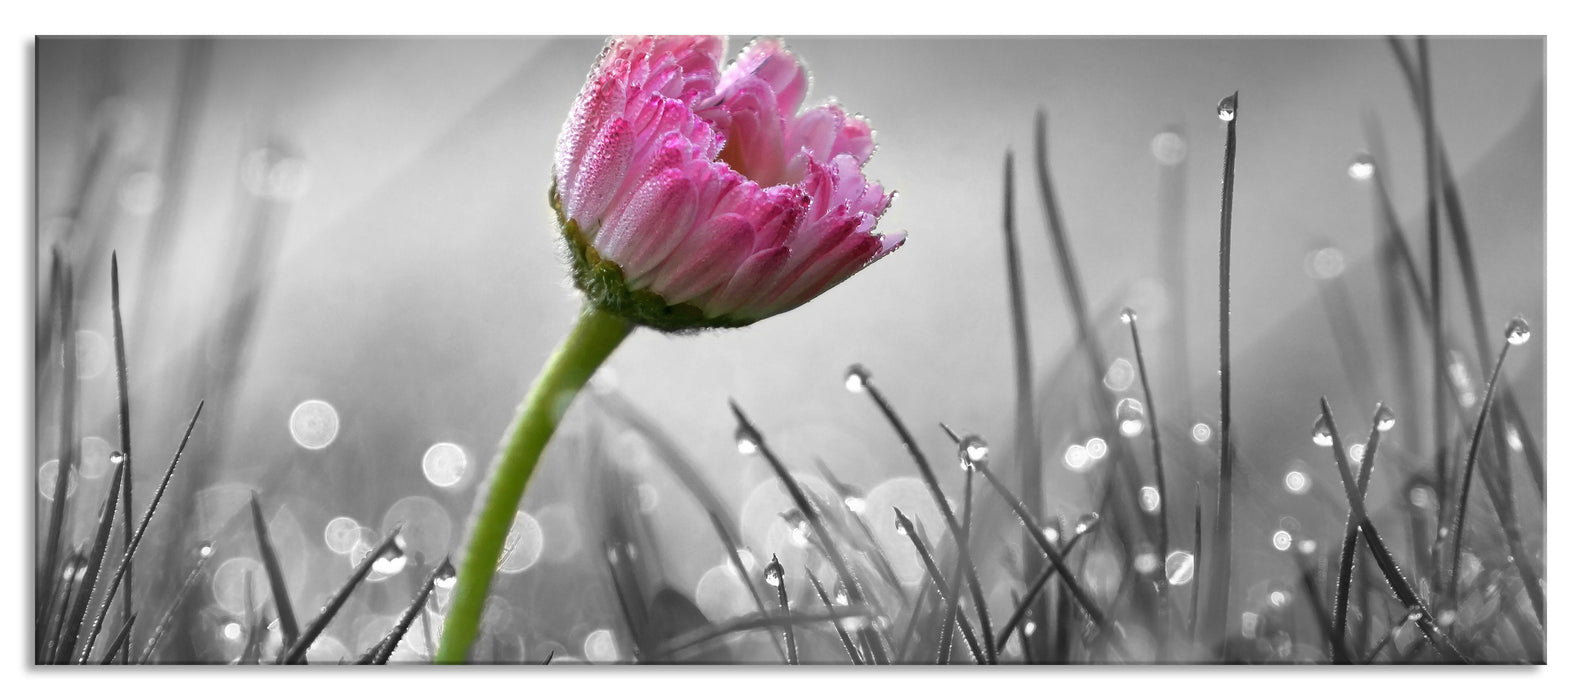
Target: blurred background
[[344, 247]]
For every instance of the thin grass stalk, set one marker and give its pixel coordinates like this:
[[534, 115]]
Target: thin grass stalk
[[251, 646], [874, 549], [1465, 489], [1197, 557], [297, 653], [1348, 546], [381, 651], [1381, 555], [1027, 449], [1220, 573], [840, 630], [277, 577], [1511, 528], [938, 579], [847, 578], [1014, 622], [118, 644], [964, 560], [124, 421], [947, 637], [1130, 318], [123, 569], [735, 558], [66, 457], [785, 609], [57, 620], [1373, 651], [204, 553], [1308, 573], [90, 581]]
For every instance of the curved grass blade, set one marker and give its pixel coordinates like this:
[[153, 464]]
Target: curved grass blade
[[297, 653], [751, 433], [381, 651], [1014, 622], [118, 644], [1315, 597], [1348, 546], [1130, 318], [735, 558], [964, 561], [1399, 586], [57, 621], [277, 577], [873, 550], [90, 580], [124, 421], [66, 457], [124, 569], [204, 553], [938, 579], [1219, 583], [845, 639]]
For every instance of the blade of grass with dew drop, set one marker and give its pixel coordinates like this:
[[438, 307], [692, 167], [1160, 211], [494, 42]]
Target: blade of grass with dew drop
[[101, 542], [974, 586], [1027, 461], [381, 651], [1348, 545], [840, 630], [277, 576], [1399, 586], [125, 567], [66, 457], [735, 558], [1014, 622], [204, 553], [938, 580], [785, 610], [297, 653], [870, 546], [118, 644], [1220, 573], [124, 422], [751, 433], [1465, 489]]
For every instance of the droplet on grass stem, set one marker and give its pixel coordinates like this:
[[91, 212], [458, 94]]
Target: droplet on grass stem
[[1227, 108], [774, 573], [746, 442], [1518, 332], [972, 450], [857, 378], [1130, 417], [1386, 419], [1321, 435], [1362, 167]]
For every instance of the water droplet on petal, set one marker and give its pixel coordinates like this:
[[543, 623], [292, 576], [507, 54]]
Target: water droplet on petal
[[972, 450], [1227, 108], [1518, 332], [1180, 567], [1385, 420], [1321, 435], [857, 378], [1361, 167], [1130, 417]]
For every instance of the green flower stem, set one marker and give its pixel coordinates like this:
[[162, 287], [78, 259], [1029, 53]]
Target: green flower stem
[[595, 335]]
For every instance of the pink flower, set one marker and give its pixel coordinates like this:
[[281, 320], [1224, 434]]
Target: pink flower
[[692, 197]]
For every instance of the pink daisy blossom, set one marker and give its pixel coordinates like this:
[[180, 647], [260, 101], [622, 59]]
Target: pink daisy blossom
[[694, 197]]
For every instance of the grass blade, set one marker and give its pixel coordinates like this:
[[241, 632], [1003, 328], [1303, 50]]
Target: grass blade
[[381, 651], [205, 552], [66, 458], [1219, 584], [1014, 622], [1129, 317], [749, 623], [277, 577], [297, 653], [845, 639], [934, 575], [118, 644], [1465, 489], [124, 421], [777, 574], [124, 569], [90, 580], [1382, 419]]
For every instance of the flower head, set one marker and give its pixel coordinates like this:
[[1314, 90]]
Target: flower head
[[693, 197]]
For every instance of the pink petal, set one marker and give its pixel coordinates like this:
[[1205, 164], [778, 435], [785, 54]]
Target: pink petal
[[759, 267], [705, 260], [601, 172], [652, 223]]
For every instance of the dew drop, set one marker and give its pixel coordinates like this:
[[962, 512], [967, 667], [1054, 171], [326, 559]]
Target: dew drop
[[232, 631], [1321, 435], [1415, 615], [445, 577], [1130, 417], [774, 574], [1180, 567], [1087, 522], [1052, 534], [745, 441], [1386, 419], [1029, 627], [1278, 598], [1362, 167], [1227, 108], [1518, 332], [900, 525], [117, 458], [972, 450], [1513, 439], [206, 550], [857, 378], [393, 559], [1128, 316]]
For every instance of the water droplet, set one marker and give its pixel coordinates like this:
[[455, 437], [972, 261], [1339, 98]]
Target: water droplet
[[1321, 435], [393, 559], [1415, 615], [972, 450], [117, 458], [774, 574], [1120, 375], [1513, 439], [1169, 148], [1201, 433], [800, 530], [1149, 496], [341, 534], [1386, 419], [1361, 167], [1076, 458], [1281, 540], [1087, 522], [314, 424], [1518, 332], [841, 597], [900, 525], [1130, 417], [857, 378], [855, 504], [1029, 627], [1296, 481], [746, 443], [1227, 108], [445, 577], [1128, 315], [206, 550], [1052, 534], [1326, 263], [1096, 448], [1180, 567], [444, 464]]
